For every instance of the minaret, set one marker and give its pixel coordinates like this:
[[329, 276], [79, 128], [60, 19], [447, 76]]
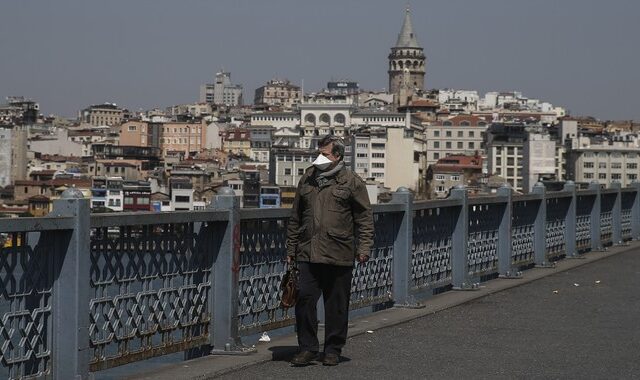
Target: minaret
[[407, 55]]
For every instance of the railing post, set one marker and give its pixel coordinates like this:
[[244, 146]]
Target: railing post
[[596, 242], [223, 307], [459, 265], [402, 248], [570, 221], [540, 229], [616, 215], [505, 269], [71, 292], [635, 212]]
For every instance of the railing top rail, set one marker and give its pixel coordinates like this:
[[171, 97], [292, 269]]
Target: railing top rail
[[142, 218], [609, 191], [628, 190], [559, 194], [264, 213], [587, 192], [484, 200], [44, 223], [527, 197], [387, 207], [436, 203]]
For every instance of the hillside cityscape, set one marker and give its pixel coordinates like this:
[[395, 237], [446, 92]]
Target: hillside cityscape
[[408, 135]]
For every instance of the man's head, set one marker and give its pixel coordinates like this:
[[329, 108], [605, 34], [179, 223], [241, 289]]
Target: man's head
[[332, 147]]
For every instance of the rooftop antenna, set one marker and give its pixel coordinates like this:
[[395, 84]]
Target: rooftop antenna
[[302, 92]]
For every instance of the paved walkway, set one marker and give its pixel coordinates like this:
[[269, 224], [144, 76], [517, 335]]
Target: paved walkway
[[573, 322]]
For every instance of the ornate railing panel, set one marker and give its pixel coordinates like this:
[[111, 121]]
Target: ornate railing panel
[[372, 282], [627, 200], [556, 227], [607, 202], [583, 222], [262, 265], [27, 275], [523, 218], [431, 246], [151, 286], [482, 244]]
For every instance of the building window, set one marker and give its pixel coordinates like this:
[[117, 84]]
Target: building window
[[460, 145], [440, 177], [377, 165], [300, 171], [632, 165], [436, 144], [616, 165], [632, 177], [287, 171], [132, 128], [182, 198], [436, 156], [588, 175], [436, 133], [588, 165], [448, 133], [448, 144], [616, 175], [440, 189], [471, 145], [460, 133], [602, 165], [455, 178], [602, 176]]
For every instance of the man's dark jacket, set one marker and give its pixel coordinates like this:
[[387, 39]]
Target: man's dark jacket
[[325, 219]]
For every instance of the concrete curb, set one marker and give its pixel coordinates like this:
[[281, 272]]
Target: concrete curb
[[283, 347]]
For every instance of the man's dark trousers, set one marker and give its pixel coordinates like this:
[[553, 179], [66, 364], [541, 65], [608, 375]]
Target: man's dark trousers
[[334, 283]]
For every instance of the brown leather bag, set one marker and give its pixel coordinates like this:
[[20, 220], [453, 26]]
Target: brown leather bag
[[289, 286]]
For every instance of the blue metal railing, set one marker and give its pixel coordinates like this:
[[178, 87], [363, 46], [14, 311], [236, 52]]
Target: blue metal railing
[[80, 293]]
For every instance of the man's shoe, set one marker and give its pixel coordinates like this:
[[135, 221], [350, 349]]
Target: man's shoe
[[331, 359], [304, 358]]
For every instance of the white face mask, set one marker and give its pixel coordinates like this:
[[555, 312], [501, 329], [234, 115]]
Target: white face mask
[[322, 163]]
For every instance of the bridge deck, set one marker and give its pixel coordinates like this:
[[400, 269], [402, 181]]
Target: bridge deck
[[576, 321]]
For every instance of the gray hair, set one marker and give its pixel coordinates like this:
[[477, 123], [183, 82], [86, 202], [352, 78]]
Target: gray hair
[[337, 147]]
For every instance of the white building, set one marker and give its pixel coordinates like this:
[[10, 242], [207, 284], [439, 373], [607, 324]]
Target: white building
[[615, 158], [539, 162], [388, 156], [222, 91]]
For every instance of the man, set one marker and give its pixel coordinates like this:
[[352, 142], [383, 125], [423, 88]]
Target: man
[[331, 211]]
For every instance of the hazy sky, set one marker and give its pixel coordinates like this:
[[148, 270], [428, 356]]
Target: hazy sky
[[580, 54]]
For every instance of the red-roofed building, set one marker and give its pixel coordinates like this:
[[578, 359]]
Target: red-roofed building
[[452, 171]]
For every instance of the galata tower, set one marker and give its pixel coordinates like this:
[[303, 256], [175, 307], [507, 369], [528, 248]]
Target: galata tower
[[406, 62]]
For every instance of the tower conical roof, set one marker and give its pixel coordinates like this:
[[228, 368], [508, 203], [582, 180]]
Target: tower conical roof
[[407, 38]]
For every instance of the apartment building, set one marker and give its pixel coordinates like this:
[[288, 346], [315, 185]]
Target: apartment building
[[287, 165], [278, 93], [222, 91], [237, 141], [102, 114], [456, 135], [452, 171], [183, 138], [606, 159], [388, 155]]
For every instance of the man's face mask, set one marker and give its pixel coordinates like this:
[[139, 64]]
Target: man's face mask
[[322, 162]]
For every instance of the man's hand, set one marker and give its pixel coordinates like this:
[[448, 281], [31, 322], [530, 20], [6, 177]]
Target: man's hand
[[363, 258]]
